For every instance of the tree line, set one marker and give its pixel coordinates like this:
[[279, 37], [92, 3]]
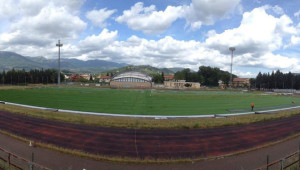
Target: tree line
[[276, 80], [206, 75], [34, 76]]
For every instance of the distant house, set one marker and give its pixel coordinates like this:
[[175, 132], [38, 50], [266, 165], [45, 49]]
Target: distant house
[[169, 77], [241, 82], [86, 76], [221, 84], [104, 79], [74, 77]]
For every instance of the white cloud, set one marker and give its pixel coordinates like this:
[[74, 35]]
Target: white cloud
[[31, 7], [98, 17], [243, 74], [72, 6], [148, 20], [295, 40], [277, 9], [43, 27], [208, 11], [35, 33], [97, 42], [196, 25], [12, 9], [197, 13], [258, 34], [7, 9], [278, 61]]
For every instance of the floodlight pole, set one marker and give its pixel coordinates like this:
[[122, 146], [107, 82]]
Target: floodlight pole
[[231, 49], [58, 72]]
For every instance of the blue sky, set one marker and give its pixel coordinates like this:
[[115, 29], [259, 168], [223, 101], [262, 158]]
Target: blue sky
[[161, 33]]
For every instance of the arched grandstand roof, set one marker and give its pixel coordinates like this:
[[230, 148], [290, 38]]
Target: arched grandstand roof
[[133, 74]]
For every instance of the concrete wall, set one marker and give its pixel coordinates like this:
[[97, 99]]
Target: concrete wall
[[115, 84], [174, 84]]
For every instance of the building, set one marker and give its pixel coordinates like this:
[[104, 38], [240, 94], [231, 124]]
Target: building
[[221, 84], [181, 84], [104, 79], [131, 79], [74, 77], [86, 76], [241, 82], [169, 77]]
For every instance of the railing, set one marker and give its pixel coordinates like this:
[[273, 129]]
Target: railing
[[10, 161], [289, 162]]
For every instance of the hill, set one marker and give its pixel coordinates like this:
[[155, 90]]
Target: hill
[[9, 60], [143, 68]]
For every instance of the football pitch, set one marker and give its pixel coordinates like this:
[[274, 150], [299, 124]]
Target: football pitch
[[145, 102]]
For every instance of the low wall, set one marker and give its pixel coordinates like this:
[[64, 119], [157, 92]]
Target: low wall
[[115, 84]]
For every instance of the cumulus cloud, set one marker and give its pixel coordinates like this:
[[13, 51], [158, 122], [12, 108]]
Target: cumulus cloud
[[72, 6], [98, 17], [207, 11], [11, 9], [258, 34], [148, 20], [297, 14], [196, 14], [277, 9], [6, 9], [42, 27], [97, 42], [256, 39]]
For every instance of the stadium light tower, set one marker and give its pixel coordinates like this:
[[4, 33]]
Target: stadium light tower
[[58, 72], [231, 49]]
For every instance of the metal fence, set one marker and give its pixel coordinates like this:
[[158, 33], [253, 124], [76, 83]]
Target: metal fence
[[10, 161], [290, 162]]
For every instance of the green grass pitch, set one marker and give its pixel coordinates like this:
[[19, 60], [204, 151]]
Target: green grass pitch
[[143, 102]]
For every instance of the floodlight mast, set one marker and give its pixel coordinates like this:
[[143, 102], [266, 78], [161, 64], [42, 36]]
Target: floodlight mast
[[231, 49], [58, 72]]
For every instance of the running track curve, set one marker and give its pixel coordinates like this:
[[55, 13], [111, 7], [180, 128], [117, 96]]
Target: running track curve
[[158, 143]]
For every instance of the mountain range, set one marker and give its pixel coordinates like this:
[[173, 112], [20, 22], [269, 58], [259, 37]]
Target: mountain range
[[10, 60]]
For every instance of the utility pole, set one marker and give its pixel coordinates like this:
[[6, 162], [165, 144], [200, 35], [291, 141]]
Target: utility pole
[[231, 49], [58, 72]]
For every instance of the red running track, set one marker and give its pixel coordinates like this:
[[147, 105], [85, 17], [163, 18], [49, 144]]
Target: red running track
[[185, 143]]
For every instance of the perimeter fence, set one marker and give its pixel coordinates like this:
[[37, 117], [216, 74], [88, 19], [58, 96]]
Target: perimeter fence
[[290, 162], [10, 161]]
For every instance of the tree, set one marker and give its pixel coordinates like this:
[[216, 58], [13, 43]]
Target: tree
[[206, 75], [277, 80], [157, 78], [162, 77]]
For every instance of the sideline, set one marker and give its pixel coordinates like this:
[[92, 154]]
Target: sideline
[[148, 116]]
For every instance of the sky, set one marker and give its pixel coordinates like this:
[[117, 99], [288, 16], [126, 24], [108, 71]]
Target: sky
[[160, 33]]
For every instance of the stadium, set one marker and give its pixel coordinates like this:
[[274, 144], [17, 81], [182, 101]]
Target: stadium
[[192, 84], [150, 124], [132, 79]]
